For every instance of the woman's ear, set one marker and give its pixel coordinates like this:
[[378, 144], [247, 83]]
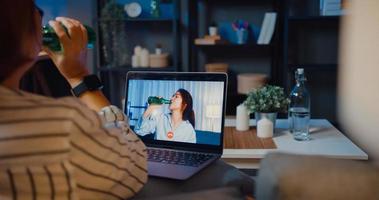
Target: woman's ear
[[184, 106]]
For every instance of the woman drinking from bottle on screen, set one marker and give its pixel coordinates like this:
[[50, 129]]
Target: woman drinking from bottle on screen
[[175, 126]]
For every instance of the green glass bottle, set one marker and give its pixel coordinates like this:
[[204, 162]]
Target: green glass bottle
[[155, 8], [157, 100], [51, 40]]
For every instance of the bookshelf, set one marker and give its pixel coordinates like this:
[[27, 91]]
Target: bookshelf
[[310, 41], [145, 31], [241, 58], [302, 38]]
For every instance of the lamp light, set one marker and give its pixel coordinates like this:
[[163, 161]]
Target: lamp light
[[213, 112]]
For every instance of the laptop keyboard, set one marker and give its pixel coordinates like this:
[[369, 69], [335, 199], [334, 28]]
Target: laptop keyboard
[[192, 159]]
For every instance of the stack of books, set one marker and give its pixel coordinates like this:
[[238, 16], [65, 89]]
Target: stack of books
[[210, 40], [331, 7]]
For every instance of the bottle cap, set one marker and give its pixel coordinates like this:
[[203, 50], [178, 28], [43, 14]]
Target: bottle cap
[[300, 70]]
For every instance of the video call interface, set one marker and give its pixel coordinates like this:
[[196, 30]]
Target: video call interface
[[176, 110]]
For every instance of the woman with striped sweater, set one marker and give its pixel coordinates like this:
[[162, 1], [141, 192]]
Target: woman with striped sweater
[[68, 148]]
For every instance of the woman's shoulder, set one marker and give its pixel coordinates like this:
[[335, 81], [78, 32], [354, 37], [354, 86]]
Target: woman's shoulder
[[188, 124], [68, 102], [64, 105]]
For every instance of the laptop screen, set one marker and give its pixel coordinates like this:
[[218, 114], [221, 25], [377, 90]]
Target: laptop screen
[[185, 110]]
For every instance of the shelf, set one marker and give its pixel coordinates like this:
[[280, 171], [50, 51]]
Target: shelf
[[240, 49], [313, 18], [139, 20], [232, 45], [313, 66], [239, 2], [129, 68]]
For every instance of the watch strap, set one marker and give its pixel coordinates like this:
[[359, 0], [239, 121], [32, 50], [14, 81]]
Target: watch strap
[[89, 83]]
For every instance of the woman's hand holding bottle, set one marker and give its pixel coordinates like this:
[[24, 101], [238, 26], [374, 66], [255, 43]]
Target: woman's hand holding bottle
[[71, 62]]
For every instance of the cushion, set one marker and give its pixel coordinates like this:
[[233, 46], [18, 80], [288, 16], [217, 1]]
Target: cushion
[[284, 176]]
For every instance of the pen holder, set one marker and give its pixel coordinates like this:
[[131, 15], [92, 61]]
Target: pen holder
[[241, 36]]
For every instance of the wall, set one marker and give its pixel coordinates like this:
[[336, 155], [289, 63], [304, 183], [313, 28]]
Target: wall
[[358, 76]]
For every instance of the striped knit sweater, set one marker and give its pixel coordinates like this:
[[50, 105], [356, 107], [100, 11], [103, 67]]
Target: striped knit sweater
[[61, 149]]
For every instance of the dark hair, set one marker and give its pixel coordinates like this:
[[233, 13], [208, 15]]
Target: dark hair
[[188, 113], [17, 25]]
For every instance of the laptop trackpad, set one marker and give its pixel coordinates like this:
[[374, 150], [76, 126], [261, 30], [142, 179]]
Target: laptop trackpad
[[171, 170]]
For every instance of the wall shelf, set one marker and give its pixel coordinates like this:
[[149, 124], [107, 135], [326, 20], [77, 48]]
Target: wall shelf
[[232, 45], [139, 20], [310, 41], [313, 18], [313, 66], [130, 68]]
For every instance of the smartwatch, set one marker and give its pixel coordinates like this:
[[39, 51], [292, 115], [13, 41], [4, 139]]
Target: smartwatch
[[89, 83]]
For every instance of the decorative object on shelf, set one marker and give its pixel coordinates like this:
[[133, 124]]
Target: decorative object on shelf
[[210, 40], [142, 58], [249, 81], [240, 27], [331, 7], [242, 118], [133, 9], [267, 29], [217, 67], [159, 60], [158, 49], [113, 32], [266, 102], [155, 8], [213, 30], [145, 58], [136, 58]]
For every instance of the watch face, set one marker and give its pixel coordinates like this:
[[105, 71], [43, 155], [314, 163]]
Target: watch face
[[133, 9]]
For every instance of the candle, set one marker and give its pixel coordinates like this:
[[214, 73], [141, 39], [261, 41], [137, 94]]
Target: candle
[[144, 62], [135, 60], [242, 118], [265, 128]]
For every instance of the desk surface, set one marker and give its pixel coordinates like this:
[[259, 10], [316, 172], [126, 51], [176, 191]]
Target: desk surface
[[326, 141]]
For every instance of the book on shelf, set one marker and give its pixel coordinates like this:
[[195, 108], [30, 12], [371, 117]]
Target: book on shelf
[[331, 7], [267, 29], [210, 40]]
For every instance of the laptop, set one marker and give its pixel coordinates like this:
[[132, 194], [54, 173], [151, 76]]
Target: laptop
[[180, 118]]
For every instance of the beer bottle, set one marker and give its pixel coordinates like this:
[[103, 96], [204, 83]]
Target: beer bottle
[[157, 100], [51, 40]]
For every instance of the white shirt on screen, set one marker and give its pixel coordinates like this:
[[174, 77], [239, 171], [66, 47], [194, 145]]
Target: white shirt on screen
[[160, 125]]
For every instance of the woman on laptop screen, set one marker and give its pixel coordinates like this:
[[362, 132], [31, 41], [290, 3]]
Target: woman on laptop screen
[[175, 126]]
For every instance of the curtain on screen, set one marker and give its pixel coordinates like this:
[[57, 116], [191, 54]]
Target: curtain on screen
[[207, 99]]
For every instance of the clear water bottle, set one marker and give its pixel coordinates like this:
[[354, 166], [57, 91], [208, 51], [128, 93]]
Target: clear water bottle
[[299, 108]]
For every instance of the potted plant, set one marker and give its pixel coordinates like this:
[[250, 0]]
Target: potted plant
[[266, 102], [113, 34]]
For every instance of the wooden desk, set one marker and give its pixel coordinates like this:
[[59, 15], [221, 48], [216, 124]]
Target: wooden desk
[[326, 141]]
